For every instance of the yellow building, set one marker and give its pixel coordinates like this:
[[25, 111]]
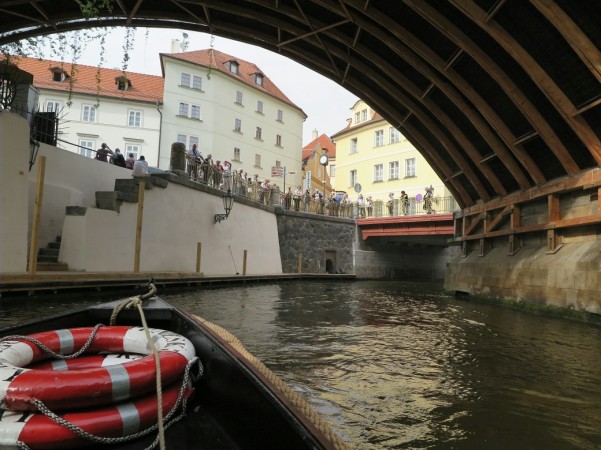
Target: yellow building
[[373, 158]]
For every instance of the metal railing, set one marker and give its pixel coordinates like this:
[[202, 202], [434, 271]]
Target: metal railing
[[206, 174]]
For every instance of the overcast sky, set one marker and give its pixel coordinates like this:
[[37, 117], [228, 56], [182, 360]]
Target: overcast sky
[[326, 104]]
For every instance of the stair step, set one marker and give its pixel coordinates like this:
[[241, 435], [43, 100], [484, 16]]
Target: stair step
[[48, 251], [47, 258], [53, 245], [52, 267]]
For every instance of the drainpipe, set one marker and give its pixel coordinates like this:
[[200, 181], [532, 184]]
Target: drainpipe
[[158, 103]]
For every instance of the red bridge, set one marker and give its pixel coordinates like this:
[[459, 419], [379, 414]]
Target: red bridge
[[425, 228]]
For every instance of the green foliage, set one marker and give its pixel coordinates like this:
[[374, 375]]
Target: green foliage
[[95, 8]]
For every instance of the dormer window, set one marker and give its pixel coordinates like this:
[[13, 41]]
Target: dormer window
[[58, 74], [123, 83], [234, 67], [259, 79]]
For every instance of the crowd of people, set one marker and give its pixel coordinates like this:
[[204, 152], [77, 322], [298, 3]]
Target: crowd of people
[[221, 176], [139, 167]]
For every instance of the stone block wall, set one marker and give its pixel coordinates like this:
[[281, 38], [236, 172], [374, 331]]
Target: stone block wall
[[317, 240]]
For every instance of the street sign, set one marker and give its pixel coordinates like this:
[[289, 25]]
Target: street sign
[[292, 172], [277, 172]]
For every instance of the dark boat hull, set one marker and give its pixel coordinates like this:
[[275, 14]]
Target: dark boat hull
[[235, 405]]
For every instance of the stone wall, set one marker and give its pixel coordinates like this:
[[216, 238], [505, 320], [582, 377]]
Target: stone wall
[[317, 240], [568, 278]]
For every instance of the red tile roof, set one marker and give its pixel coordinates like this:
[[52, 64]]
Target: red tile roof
[[319, 142], [217, 60], [146, 88]]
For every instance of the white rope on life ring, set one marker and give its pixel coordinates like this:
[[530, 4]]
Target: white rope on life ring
[[20, 386]]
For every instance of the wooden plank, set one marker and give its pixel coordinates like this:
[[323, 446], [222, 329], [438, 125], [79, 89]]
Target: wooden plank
[[141, 189], [37, 212]]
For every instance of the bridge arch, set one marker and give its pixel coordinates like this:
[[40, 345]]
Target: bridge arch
[[501, 96]]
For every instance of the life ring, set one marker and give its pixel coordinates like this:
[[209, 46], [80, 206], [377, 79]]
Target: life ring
[[94, 386], [40, 432]]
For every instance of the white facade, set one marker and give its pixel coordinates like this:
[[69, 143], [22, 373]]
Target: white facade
[[131, 126], [230, 120]]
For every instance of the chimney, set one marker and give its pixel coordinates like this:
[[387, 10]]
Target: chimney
[[175, 46], [314, 135]]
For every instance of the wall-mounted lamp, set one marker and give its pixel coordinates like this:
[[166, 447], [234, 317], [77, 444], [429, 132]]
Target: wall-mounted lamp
[[228, 199]]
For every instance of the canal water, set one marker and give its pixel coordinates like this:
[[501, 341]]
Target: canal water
[[402, 366]]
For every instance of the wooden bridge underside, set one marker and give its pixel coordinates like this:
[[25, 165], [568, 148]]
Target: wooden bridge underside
[[502, 97]]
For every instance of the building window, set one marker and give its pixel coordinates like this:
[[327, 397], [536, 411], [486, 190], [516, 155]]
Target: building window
[[278, 140], [182, 139], [86, 147], [234, 67], [122, 83], [410, 167], [53, 106], [193, 140], [354, 145], [88, 113], [395, 136], [393, 169], [364, 115], [357, 117], [238, 126], [258, 133], [195, 112], [197, 82], [259, 106], [378, 172], [58, 76], [132, 148], [259, 79], [236, 154], [332, 170], [185, 80], [352, 178], [238, 98], [278, 163], [257, 160], [134, 118], [280, 115], [183, 109], [378, 138]]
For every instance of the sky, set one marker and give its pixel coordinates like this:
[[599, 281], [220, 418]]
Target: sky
[[326, 103]]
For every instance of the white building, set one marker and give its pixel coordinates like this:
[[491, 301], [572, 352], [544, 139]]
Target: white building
[[233, 111], [97, 105]]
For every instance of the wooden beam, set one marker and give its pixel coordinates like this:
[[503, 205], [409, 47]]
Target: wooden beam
[[37, 213], [588, 52], [482, 115], [496, 72], [553, 207], [546, 84], [139, 221]]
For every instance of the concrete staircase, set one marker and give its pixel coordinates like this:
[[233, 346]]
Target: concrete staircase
[[126, 190], [48, 257]]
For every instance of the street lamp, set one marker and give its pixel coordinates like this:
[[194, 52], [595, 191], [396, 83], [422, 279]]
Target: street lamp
[[228, 198]]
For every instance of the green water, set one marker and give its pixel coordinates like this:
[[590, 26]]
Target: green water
[[402, 366]]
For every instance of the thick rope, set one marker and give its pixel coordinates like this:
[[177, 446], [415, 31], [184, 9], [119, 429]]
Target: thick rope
[[285, 390]]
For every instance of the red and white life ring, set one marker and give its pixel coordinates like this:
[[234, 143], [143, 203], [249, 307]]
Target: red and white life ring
[[41, 432], [94, 386]]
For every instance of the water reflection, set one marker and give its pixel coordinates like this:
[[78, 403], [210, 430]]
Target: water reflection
[[400, 365]]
